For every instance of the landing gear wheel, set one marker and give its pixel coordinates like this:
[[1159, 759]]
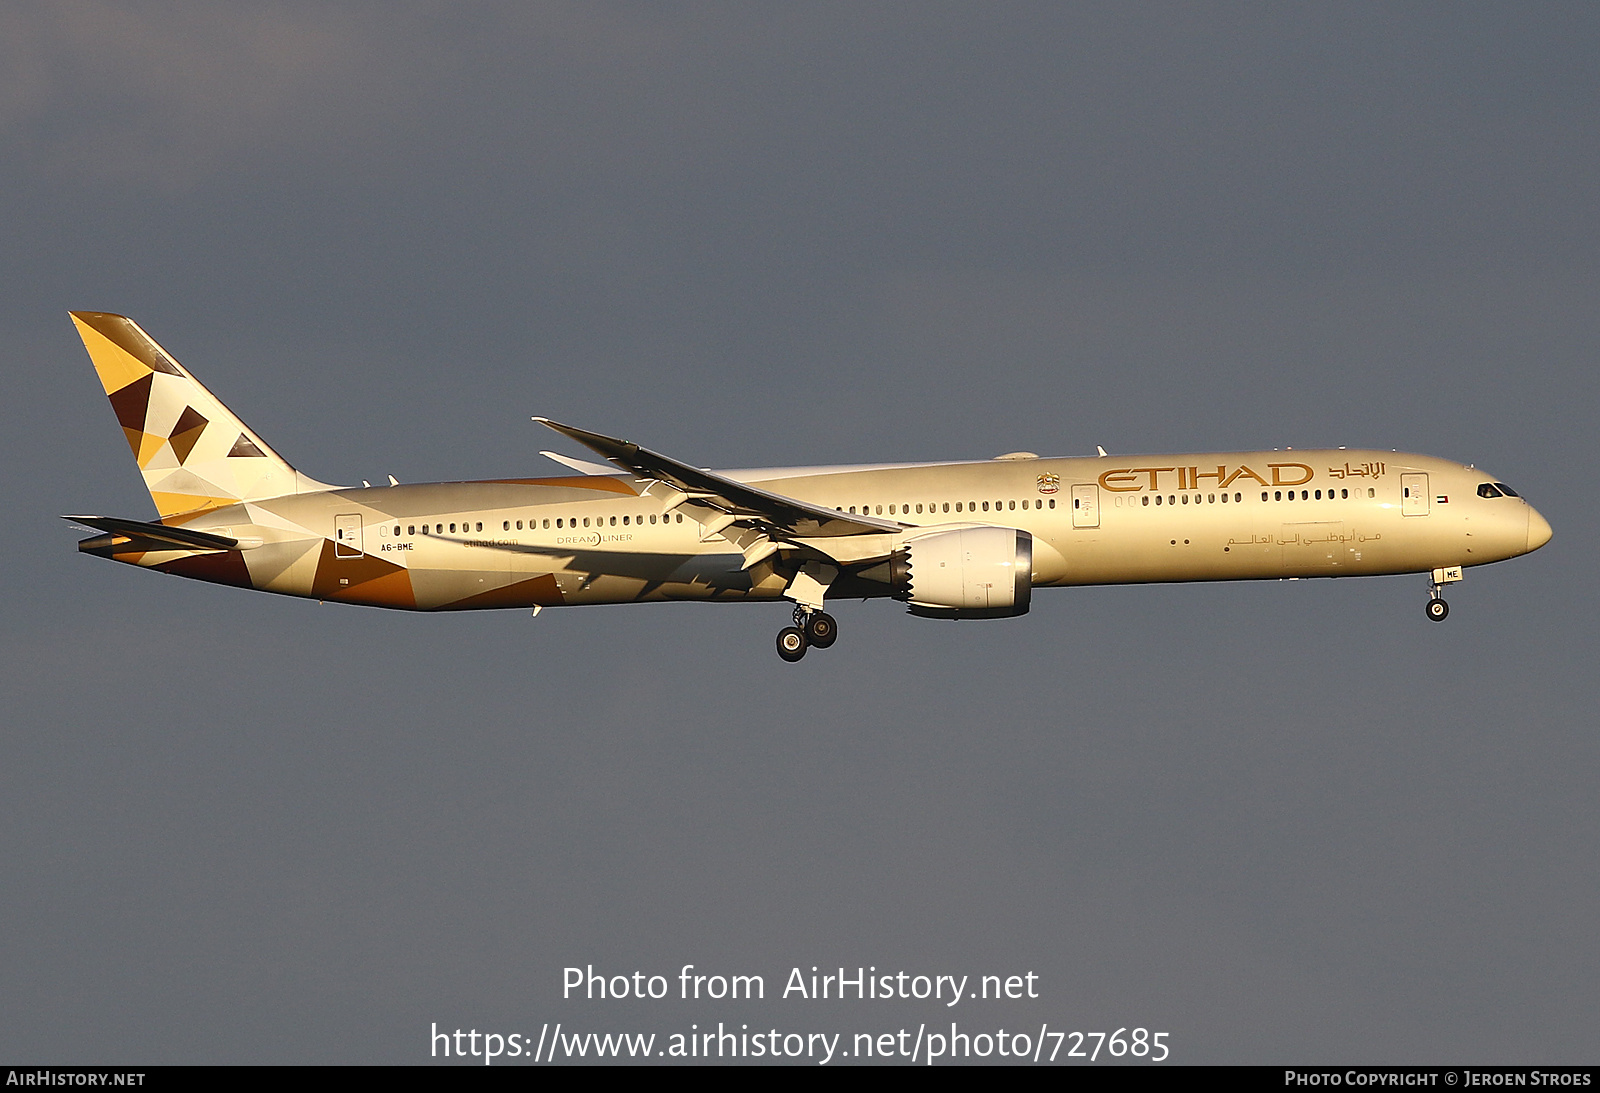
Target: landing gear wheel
[[791, 643], [1438, 610], [821, 630]]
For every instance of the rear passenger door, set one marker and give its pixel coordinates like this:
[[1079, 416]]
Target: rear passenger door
[[347, 535]]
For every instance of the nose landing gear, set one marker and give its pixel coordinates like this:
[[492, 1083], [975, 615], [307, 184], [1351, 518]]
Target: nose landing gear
[[1437, 609], [811, 628]]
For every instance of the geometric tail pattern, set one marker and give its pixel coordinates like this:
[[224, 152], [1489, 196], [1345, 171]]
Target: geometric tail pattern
[[195, 455]]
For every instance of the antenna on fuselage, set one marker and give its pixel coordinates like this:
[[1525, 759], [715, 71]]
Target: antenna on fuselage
[[1101, 452]]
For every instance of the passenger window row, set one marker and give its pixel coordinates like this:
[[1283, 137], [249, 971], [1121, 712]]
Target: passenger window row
[[1184, 499], [934, 509], [1496, 489], [1313, 495], [469, 526]]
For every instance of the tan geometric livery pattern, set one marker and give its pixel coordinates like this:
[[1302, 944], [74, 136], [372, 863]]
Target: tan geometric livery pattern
[[195, 455]]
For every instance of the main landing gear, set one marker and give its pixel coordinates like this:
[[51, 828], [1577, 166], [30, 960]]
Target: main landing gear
[[1437, 609], [811, 628]]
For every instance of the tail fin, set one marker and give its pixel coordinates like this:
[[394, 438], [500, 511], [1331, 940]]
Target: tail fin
[[194, 453]]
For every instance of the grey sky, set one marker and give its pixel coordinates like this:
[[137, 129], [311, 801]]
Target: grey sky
[[1284, 822]]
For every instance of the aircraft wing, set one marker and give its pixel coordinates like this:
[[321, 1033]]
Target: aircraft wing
[[787, 517]]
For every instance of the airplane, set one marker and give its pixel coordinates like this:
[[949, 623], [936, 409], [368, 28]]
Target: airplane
[[956, 540]]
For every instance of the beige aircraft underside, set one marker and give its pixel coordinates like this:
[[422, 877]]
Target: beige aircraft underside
[[951, 540]]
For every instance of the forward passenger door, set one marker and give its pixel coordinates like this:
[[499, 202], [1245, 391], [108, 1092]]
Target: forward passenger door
[[1086, 506], [1414, 495]]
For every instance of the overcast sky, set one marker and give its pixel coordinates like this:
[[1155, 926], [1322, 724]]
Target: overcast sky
[[1290, 821]]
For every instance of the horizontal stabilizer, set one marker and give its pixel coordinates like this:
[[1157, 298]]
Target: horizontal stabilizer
[[182, 538]]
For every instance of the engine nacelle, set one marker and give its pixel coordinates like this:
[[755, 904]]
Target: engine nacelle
[[965, 573]]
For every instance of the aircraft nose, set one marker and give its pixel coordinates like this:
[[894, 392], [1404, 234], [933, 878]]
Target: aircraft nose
[[1539, 530]]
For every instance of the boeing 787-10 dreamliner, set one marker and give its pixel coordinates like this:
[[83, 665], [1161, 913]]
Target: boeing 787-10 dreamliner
[[959, 540]]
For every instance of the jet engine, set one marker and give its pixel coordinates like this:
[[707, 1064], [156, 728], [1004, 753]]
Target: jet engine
[[965, 573]]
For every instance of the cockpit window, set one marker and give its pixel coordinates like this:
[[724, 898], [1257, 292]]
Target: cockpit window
[[1507, 490], [1486, 489]]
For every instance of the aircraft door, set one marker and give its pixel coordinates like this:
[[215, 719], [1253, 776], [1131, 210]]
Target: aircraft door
[[1414, 495], [347, 536], [1086, 506]]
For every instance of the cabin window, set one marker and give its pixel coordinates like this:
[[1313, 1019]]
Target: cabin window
[[1372, 492], [1052, 502], [411, 529], [919, 510], [1145, 499], [624, 521], [1277, 496], [585, 521]]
